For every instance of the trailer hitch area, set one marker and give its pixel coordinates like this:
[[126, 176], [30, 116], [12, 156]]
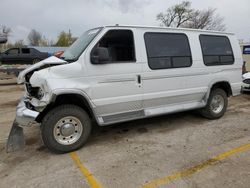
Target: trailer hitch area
[[16, 139]]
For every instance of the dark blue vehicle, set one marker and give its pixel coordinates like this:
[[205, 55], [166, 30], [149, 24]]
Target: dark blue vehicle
[[246, 49], [22, 56], [3, 39]]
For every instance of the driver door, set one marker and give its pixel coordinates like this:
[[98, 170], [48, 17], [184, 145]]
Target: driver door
[[116, 89]]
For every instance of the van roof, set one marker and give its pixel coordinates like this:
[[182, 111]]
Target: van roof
[[167, 28]]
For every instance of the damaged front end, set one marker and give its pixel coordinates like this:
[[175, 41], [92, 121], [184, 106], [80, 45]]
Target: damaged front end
[[36, 98], [24, 117]]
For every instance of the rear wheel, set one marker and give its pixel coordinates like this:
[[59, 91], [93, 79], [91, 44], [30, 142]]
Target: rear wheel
[[66, 128], [216, 104]]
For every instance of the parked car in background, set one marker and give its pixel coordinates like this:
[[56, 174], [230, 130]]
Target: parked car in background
[[3, 39], [246, 82], [22, 56]]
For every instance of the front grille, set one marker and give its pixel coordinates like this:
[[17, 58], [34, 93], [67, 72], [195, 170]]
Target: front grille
[[246, 81]]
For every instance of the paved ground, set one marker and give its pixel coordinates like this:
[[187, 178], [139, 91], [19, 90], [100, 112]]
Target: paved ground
[[179, 150]]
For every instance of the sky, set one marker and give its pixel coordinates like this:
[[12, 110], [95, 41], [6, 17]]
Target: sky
[[50, 17]]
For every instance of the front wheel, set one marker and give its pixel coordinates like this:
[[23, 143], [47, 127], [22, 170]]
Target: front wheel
[[35, 61], [216, 104], [65, 128]]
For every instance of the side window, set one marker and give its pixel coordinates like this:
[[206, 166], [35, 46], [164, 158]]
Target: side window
[[13, 51], [167, 50], [25, 50], [120, 45], [33, 51], [216, 50]]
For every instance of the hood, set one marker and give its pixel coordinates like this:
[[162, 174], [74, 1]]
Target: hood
[[40, 65], [246, 76]]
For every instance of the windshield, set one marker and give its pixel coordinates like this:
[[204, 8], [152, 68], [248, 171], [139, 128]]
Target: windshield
[[76, 49]]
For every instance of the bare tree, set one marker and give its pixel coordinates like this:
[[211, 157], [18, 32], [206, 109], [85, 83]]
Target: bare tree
[[176, 15], [5, 31], [206, 19], [19, 44], [34, 37], [182, 15]]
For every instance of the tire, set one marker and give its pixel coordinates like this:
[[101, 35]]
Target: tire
[[35, 61], [65, 128], [210, 111]]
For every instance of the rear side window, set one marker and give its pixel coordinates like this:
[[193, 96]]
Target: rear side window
[[216, 50], [25, 50], [167, 50]]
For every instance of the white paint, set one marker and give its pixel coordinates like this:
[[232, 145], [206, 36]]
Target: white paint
[[113, 89]]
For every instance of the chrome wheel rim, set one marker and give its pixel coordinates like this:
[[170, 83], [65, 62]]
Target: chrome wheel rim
[[68, 130], [217, 104]]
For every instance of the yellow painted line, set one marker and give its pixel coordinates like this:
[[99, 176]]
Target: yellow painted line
[[194, 169], [86, 173]]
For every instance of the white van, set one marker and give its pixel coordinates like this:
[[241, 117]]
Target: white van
[[117, 73]]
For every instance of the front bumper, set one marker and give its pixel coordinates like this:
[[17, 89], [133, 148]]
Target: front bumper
[[24, 116]]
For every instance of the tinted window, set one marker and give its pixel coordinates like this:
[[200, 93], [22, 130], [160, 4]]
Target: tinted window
[[13, 51], [33, 50], [25, 50], [216, 50], [167, 50], [120, 45]]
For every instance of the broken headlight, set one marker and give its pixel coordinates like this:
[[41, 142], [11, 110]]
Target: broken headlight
[[36, 92], [40, 93]]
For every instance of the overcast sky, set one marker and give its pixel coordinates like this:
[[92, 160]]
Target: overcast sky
[[52, 16]]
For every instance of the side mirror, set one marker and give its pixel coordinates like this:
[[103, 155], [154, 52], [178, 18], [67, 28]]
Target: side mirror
[[100, 55]]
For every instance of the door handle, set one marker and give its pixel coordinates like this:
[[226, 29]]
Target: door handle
[[139, 79]]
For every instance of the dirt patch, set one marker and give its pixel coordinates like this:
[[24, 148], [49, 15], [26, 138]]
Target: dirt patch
[[10, 104], [13, 89], [41, 148], [31, 141], [142, 130]]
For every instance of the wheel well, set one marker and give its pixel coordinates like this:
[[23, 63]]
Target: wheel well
[[75, 99], [223, 85]]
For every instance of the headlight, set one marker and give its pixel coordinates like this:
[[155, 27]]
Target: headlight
[[40, 93]]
